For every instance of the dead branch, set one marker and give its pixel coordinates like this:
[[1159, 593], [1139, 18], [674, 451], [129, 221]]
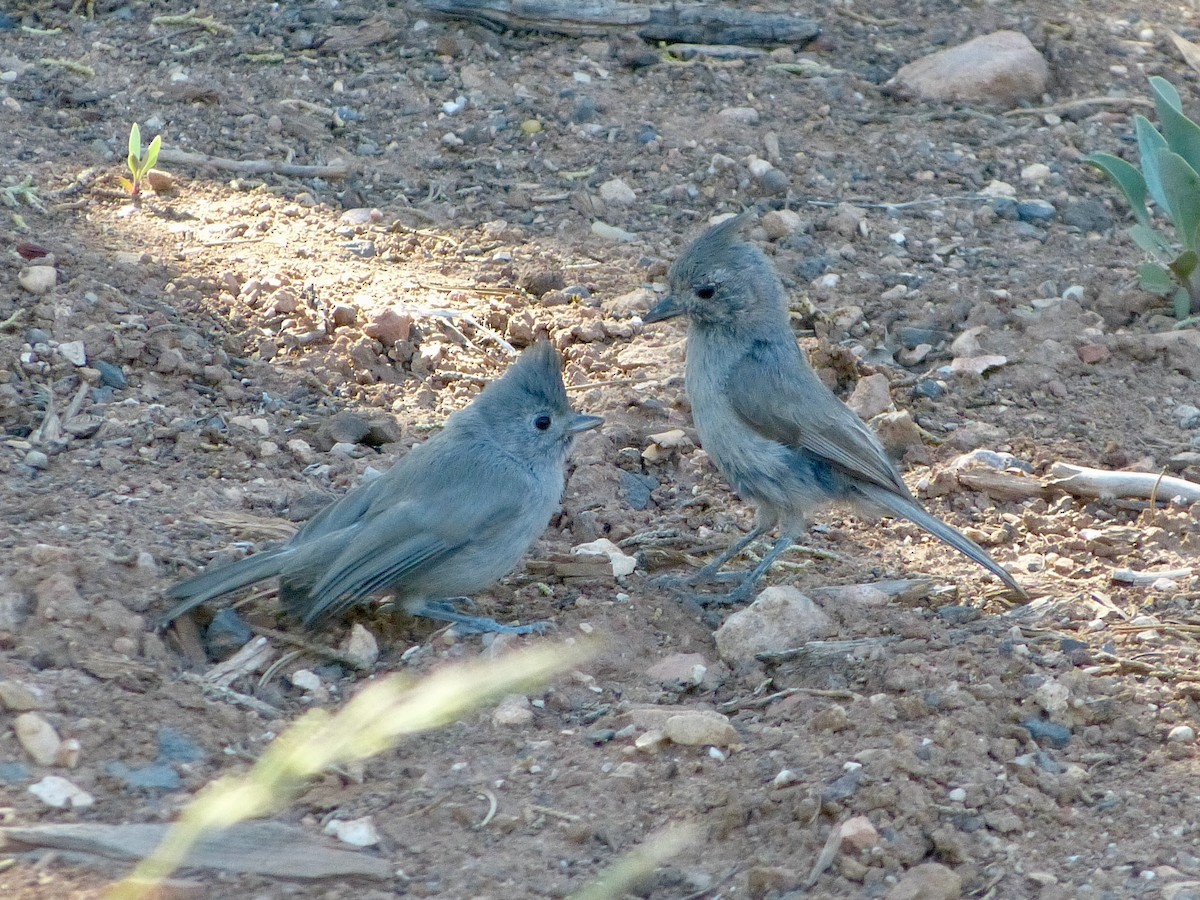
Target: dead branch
[[253, 166], [1084, 482]]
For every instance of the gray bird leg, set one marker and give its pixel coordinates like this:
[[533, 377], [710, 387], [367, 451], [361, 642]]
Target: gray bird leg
[[444, 612], [710, 570], [742, 592]]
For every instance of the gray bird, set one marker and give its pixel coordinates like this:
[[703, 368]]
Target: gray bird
[[455, 514], [776, 432]]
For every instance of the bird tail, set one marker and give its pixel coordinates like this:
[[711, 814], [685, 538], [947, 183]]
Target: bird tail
[[222, 580], [915, 513]]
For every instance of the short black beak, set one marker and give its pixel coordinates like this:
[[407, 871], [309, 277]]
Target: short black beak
[[583, 423], [668, 308]]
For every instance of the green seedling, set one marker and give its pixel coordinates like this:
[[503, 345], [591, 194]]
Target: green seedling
[[139, 164], [1169, 176]]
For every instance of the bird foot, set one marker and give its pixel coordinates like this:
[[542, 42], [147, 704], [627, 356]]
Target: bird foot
[[444, 612]]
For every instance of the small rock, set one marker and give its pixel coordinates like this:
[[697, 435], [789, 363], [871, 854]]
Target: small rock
[[56, 791], [346, 428], [74, 353], [859, 834], [541, 281], [226, 634], [513, 711], [1036, 211], [360, 648], [16, 696], [1002, 68], [1035, 173], [36, 459], [739, 115], [622, 564], [781, 223], [975, 365], [38, 280], [928, 881], [355, 832], [1048, 734], [1052, 696], [67, 756], [1181, 734], [110, 375], [698, 728], [617, 192], [612, 233], [786, 778], [872, 396], [780, 618], [160, 182], [307, 680], [58, 599], [389, 326], [848, 220], [37, 737], [1093, 353], [686, 669]]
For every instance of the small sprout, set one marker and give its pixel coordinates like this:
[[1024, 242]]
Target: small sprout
[[139, 164], [1169, 176]]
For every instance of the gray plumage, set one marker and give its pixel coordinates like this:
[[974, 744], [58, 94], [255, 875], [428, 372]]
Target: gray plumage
[[455, 514], [781, 437]]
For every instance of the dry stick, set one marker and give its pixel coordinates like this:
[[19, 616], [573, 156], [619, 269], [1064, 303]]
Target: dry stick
[[759, 702], [254, 166], [1100, 483], [1068, 105], [308, 646]]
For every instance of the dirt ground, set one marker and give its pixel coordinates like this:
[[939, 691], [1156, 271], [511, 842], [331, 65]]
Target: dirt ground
[[239, 371]]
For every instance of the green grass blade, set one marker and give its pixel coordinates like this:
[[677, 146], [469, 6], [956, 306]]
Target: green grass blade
[[1128, 179]]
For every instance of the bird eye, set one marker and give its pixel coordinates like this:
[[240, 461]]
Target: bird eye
[[706, 291], [541, 423]]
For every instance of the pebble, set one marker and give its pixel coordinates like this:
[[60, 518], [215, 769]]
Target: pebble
[[389, 326], [74, 353], [38, 280], [699, 728], [36, 459], [1035, 173], [637, 489], [355, 832], [612, 233], [739, 115], [56, 791], [1002, 68], [110, 375], [1048, 733], [617, 192], [306, 680], [1036, 211], [859, 834], [513, 711], [17, 696], [226, 634], [872, 396], [360, 648], [781, 223], [1181, 734], [957, 795], [37, 737], [928, 881], [622, 564], [779, 618], [1093, 353]]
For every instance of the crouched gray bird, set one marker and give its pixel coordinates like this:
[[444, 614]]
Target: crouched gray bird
[[455, 514], [783, 440]]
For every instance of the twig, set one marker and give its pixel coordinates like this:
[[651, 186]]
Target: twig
[[865, 19], [229, 695], [493, 805], [553, 813], [759, 702], [1068, 105], [308, 646], [1129, 576], [191, 20], [254, 166], [1100, 483]]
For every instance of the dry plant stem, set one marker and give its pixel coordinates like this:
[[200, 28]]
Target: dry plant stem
[[1068, 105], [315, 649], [254, 166], [1084, 482]]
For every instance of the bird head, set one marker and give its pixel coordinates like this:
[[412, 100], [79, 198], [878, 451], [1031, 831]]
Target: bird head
[[721, 281], [527, 411]]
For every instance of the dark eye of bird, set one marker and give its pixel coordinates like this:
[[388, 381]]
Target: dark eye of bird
[[706, 291], [541, 423]]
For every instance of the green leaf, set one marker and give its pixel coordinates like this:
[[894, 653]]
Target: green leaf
[[1155, 279], [1149, 142], [1164, 92], [1182, 134], [152, 153], [1183, 267], [1181, 185], [1151, 241], [135, 142], [1182, 303], [1127, 178]]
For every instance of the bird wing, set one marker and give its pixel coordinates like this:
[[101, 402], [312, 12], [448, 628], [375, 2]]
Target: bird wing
[[775, 392], [413, 534]]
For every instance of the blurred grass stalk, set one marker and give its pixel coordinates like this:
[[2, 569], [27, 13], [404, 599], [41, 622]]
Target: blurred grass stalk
[[372, 722], [635, 868]]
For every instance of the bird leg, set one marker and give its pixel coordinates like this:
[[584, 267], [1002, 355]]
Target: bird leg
[[443, 611], [711, 571], [741, 593]]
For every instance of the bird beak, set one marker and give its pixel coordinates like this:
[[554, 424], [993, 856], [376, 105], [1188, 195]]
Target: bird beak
[[583, 423], [668, 308]]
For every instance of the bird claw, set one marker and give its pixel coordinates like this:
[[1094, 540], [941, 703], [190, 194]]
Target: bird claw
[[443, 611]]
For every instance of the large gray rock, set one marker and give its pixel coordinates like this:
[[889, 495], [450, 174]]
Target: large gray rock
[[779, 619]]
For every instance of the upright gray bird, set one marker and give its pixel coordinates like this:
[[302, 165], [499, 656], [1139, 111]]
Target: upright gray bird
[[451, 517], [780, 436]]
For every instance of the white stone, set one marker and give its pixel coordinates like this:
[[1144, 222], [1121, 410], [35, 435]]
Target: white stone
[[74, 353], [622, 564], [513, 711], [360, 648], [612, 233], [56, 791], [37, 737], [617, 192], [780, 618], [306, 680], [355, 832], [698, 728], [1035, 173], [1182, 734], [38, 279]]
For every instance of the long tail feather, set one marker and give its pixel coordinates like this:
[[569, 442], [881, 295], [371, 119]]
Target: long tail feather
[[912, 511], [222, 580]]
